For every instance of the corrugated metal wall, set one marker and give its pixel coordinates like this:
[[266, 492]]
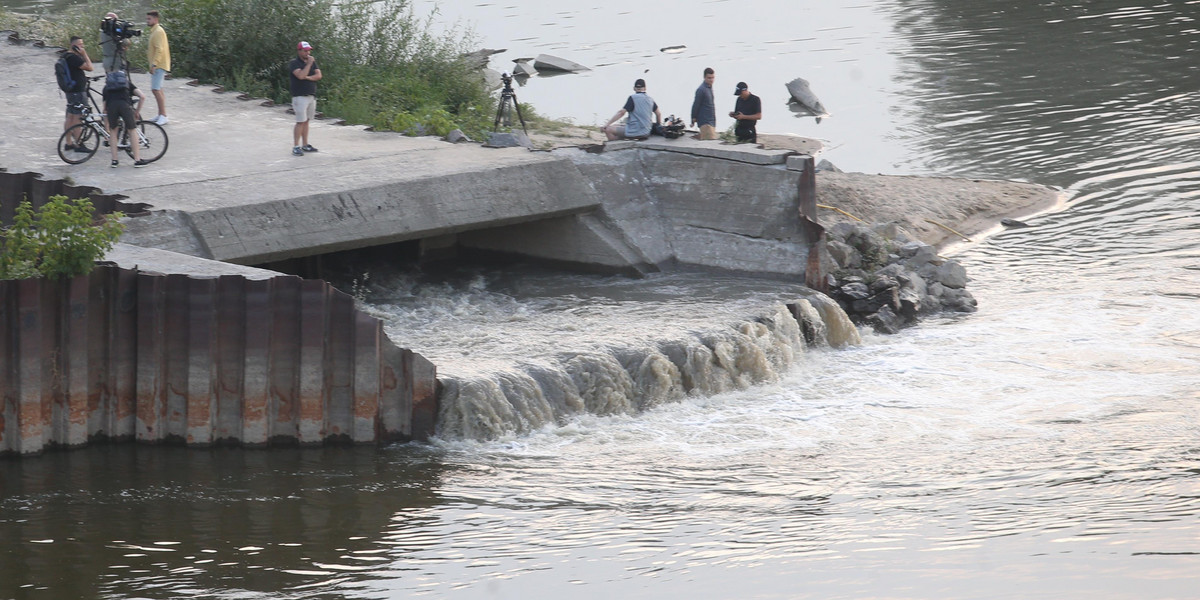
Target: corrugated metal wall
[[127, 355]]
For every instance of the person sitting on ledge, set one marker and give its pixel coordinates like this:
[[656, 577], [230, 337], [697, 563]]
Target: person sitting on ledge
[[639, 106]]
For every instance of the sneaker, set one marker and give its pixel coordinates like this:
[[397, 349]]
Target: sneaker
[[69, 148], [81, 149], [141, 162], [161, 119], [297, 151], [308, 148], [114, 164]]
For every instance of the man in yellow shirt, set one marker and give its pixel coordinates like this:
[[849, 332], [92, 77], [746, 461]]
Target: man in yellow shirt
[[159, 55]]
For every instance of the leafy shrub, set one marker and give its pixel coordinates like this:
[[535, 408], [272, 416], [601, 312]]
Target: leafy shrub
[[58, 240]]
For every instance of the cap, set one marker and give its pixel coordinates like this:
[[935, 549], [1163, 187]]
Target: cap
[[641, 83], [741, 87], [304, 46]]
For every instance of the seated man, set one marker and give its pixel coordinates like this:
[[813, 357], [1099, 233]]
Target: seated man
[[639, 107]]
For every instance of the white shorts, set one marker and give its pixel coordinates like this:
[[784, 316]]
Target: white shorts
[[305, 107]]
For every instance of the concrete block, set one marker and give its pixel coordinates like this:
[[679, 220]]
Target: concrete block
[[746, 153]]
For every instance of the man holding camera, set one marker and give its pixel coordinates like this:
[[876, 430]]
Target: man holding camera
[[111, 45], [303, 82], [78, 61], [159, 55]]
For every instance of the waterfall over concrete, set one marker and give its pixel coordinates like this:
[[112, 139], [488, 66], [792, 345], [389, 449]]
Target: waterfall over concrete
[[625, 380]]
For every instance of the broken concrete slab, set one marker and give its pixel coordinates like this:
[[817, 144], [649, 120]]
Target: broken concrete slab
[[546, 62]]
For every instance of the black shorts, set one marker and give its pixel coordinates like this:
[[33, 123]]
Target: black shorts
[[75, 102], [121, 111]]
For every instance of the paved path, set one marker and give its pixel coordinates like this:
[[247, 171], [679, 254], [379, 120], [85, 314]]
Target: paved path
[[245, 198], [216, 139]]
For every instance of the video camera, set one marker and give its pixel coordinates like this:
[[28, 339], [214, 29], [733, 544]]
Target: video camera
[[118, 29]]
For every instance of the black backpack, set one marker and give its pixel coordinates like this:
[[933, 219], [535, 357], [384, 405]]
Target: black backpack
[[62, 72]]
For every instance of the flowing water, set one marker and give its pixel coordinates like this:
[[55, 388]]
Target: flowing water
[[1047, 446]]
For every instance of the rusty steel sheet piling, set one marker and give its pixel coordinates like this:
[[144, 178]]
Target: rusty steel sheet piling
[[126, 355]]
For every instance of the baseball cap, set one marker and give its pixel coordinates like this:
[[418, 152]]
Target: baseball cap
[[741, 87], [641, 83], [304, 46]]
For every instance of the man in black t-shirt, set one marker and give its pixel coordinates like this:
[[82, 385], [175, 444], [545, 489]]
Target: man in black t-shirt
[[747, 111], [304, 75], [78, 62], [119, 93]]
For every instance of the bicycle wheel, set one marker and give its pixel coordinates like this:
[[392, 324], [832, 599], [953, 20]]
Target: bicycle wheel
[[152, 139], [85, 146]]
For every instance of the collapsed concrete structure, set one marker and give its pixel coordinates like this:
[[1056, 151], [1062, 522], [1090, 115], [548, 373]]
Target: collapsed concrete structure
[[229, 193]]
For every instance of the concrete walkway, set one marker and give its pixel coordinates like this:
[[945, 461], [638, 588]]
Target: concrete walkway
[[218, 140], [227, 155]]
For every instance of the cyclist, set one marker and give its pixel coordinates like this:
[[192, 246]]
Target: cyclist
[[119, 92]]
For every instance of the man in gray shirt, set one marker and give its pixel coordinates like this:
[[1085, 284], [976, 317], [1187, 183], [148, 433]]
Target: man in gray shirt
[[109, 47], [639, 107], [704, 108]]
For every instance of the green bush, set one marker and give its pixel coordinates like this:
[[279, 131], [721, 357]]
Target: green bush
[[58, 240]]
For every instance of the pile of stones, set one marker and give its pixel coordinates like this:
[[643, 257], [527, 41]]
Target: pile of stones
[[885, 278]]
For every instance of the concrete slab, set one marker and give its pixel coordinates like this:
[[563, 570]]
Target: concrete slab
[[172, 263], [746, 153], [229, 167]]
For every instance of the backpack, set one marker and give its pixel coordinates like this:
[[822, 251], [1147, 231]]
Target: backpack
[[62, 72], [116, 80]]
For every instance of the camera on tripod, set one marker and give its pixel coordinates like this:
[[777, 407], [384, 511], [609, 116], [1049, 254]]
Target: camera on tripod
[[118, 29], [508, 103]]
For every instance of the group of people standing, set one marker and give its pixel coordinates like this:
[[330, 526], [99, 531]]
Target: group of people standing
[[641, 108], [119, 91]]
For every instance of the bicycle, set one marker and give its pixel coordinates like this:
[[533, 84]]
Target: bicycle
[[151, 137]]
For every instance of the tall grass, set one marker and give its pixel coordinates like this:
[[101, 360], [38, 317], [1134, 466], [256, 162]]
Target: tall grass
[[381, 64]]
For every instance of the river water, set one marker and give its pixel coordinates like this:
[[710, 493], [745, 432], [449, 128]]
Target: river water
[[1047, 446]]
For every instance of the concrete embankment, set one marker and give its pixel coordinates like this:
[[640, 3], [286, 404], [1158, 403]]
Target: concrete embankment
[[229, 190]]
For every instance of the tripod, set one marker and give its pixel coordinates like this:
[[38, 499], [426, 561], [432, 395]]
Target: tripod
[[508, 95]]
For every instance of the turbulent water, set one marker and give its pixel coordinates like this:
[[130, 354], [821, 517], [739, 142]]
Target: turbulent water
[[1047, 446]]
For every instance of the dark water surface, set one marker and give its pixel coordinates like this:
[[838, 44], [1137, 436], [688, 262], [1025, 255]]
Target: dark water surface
[[1047, 446]]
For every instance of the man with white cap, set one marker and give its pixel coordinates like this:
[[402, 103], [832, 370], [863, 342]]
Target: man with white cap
[[304, 77]]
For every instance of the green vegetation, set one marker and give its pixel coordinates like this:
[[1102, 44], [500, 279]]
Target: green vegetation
[[381, 65], [58, 240]]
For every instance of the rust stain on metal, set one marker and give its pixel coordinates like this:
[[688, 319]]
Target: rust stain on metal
[[128, 355]]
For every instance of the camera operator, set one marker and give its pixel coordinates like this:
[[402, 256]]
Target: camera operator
[[109, 45], [78, 61]]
